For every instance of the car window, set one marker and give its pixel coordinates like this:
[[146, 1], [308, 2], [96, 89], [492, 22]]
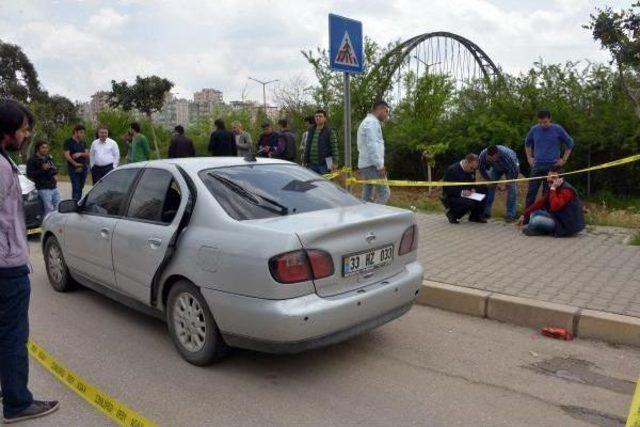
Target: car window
[[156, 197], [266, 190], [109, 194]]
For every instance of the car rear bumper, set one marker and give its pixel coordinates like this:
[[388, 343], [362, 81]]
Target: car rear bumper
[[299, 324]]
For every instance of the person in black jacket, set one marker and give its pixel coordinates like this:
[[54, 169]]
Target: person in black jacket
[[42, 171], [222, 142], [180, 145], [457, 198]]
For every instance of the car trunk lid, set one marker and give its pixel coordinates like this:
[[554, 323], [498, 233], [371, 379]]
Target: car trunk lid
[[365, 237]]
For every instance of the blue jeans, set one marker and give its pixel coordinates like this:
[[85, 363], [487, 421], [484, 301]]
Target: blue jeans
[[534, 186], [50, 199], [542, 222], [77, 183], [512, 194], [375, 193], [15, 290]]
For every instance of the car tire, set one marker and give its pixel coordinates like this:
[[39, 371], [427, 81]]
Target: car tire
[[192, 327], [57, 270]]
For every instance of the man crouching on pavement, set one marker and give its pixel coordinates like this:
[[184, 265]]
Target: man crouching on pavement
[[15, 288], [557, 213], [462, 199]]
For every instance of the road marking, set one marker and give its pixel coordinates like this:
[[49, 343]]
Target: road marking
[[117, 411]]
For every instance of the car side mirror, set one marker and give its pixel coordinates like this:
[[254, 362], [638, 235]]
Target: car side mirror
[[68, 206]]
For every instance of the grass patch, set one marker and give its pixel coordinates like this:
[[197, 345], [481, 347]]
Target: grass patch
[[635, 240], [602, 209]]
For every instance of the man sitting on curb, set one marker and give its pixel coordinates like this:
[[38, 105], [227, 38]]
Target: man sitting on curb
[[558, 212], [461, 199]]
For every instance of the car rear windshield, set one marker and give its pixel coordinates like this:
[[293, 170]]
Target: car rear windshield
[[263, 191]]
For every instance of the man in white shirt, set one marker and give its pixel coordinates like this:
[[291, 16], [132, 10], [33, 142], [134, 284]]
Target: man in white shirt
[[371, 154], [104, 155]]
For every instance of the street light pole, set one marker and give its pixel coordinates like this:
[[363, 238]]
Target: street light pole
[[264, 91]]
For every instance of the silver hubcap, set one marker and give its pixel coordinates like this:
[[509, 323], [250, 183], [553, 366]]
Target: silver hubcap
[[56, 267], [189, 322]]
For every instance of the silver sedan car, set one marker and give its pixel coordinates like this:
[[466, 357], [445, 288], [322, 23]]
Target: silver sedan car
[[231, 252]]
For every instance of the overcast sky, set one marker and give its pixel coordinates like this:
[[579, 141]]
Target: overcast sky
[[79, 46]]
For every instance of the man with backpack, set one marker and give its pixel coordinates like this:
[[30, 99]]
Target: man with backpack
[[286, 141]]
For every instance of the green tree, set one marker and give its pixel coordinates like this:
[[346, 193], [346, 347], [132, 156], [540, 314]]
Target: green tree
[[619, 33], [147, 95], [18, 76]]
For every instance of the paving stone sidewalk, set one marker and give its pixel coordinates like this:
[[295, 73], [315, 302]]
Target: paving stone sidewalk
[[593, 270]]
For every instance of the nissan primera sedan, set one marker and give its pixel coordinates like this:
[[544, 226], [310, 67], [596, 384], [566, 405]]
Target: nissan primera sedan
[[263, 255]]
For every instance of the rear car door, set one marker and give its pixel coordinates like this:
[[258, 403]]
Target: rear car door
[[141, 238], [88, 233]]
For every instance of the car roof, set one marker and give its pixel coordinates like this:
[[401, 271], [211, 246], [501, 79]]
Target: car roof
[[196, 164]]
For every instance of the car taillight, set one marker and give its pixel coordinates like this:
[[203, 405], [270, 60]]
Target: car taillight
[[301, 265], [409, 242], [321, 263]]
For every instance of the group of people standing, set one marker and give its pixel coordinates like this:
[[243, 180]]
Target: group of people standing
[[548, 146], [318, 149], [99, 158]]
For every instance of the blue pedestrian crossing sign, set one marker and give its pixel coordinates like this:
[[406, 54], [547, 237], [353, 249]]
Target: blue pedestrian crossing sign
[[345, 45]]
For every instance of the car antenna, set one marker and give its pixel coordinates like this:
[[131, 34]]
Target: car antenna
[[250, 157]]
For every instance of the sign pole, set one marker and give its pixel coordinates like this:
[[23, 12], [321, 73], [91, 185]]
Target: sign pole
[[347, 127]]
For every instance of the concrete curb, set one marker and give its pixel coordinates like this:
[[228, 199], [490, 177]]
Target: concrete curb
[[613, 328]]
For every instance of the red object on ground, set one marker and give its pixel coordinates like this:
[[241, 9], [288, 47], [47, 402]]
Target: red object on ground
[[557, 333]]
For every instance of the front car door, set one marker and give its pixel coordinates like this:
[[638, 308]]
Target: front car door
[[142, 236], [88, 234]]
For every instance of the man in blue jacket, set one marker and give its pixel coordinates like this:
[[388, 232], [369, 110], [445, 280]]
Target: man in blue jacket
[[543, 148], [496, 162]]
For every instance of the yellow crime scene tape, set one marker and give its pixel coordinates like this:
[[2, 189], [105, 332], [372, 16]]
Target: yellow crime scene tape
[[404, 183], [633, 420], [37, 230], [117, 411]]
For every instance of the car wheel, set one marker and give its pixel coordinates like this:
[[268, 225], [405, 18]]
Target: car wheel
[[57, 270], [192, 327]]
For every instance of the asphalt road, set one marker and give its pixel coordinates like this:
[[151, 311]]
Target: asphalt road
[[429, 368]]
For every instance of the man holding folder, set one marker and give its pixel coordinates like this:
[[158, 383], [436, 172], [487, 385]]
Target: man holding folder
[[461, 200]]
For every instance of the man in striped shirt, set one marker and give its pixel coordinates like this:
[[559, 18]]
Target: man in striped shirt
[[495, 162], [321, 153]]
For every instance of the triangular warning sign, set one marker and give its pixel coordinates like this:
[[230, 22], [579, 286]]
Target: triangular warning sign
[[346, 55]]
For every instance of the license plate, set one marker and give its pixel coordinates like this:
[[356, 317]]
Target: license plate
[[367, 261]]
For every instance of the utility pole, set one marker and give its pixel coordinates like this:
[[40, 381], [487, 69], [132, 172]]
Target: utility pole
[[264, 91]]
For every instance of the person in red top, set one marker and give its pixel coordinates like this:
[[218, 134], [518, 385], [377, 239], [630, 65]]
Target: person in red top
[[558, 212]]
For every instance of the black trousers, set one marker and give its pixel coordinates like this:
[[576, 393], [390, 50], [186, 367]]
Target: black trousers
[[460, 206], [97, 172]]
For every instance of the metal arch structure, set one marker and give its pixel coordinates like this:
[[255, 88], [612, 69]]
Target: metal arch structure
[[389, 65]]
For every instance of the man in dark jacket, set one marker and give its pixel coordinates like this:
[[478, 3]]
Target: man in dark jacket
[[464, 199], [321, 149], [558, 212], [180, 145], [42, 171], [222, 142], [268, 142], [286, 141]]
